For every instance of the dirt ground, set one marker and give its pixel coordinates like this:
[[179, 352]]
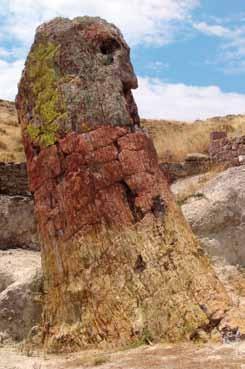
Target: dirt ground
[[184, 356]]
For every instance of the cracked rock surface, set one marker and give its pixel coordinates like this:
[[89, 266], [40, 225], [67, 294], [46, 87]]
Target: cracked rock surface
[[217, 216], [120, 263], [20, 289]]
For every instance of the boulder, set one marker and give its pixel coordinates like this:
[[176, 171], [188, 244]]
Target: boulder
[[17, 220], [17, 223], [120, 263], [217, 215], [20, 293]]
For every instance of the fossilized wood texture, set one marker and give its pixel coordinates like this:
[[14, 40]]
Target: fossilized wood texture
[[78, 75], [120, 263]]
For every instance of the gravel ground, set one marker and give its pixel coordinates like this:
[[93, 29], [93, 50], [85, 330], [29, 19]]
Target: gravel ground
[[186, 356]]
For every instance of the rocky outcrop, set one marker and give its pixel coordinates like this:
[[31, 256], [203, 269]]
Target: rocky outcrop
[[13, 179], [17, 223], [17, 220], [20, 293], [217, 215], [120, 263], [194, 164]]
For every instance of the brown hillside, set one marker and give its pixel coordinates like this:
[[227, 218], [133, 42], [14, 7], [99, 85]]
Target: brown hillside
[[174, 140], [11, 148]]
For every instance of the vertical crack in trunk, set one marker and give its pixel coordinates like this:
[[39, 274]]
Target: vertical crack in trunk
[[130, 196]]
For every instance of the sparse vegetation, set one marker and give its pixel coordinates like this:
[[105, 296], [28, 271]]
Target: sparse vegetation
[[11, 148], [174, 140], [3, 146]]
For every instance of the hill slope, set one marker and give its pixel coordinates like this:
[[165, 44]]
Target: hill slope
[[10, 137], [174, 140]]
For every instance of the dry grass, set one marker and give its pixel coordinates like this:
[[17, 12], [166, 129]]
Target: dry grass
[[3, 146], [11, 148], [174, 140]]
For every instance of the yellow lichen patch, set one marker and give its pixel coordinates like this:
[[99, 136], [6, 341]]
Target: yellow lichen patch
[[45, 135], [49, 104]]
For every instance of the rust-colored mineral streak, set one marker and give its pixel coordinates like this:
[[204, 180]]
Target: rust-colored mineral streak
[[120, 263]]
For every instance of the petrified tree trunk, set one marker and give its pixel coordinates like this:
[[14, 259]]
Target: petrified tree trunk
[[120, 263]]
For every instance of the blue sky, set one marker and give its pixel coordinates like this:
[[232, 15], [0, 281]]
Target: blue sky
[[198, 56], [189, 55]]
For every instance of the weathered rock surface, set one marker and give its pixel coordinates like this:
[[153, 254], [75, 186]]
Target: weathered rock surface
[[217, 215], [20, 290], [120, 262], [13, 179], [229, 151], [193, 164], [76, 85], [228, 266], [17, 223]]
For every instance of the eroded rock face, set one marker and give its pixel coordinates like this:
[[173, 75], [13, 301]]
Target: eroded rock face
[[13, 179], [17, 223], [20, 293], [120, 263], [217, 216]]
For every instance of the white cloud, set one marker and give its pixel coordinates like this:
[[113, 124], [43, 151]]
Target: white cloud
[[9, 76], [4, 53], [159, 100], [157, 66], [140, 20], [232, 50], [212, 30]]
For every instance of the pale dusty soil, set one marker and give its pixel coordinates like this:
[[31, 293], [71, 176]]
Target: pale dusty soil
[[186, 356]]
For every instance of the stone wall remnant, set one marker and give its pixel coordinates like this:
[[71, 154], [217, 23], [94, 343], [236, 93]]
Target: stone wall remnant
[[226, 150], [13, 179]]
